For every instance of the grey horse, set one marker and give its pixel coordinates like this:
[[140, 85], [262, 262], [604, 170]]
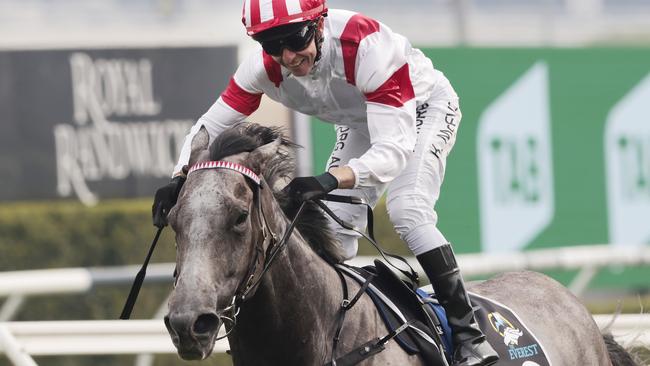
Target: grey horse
[[225, 223]]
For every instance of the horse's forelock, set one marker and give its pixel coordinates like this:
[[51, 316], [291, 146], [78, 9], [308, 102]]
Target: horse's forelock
[[246, 137], [232, 142]]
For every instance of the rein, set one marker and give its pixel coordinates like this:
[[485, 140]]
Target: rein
[[139, 278], [251, 281]]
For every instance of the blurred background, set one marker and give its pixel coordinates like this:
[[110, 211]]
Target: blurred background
[[551, 169]]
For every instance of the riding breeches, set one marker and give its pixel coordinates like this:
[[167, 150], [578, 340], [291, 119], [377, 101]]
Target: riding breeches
[[411, 197]]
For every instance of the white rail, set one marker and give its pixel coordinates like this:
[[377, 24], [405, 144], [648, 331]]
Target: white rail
[[74, 280], [21, 340], [17, 285], [55, 338], [94, 337], [629, 330], [565, 258], [588, 259]]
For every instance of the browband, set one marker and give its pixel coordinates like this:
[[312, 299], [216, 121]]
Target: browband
[[225, 165]]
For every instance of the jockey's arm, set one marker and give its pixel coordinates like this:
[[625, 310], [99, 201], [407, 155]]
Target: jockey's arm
[[392, 140], [382, 75]]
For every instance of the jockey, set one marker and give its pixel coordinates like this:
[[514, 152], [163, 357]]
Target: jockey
[[396, 119]]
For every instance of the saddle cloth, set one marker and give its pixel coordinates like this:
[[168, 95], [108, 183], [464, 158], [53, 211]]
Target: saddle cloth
[[511, 339], [508, 335]]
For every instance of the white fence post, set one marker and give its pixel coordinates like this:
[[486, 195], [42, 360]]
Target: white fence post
[[11, 307], [14, 351]]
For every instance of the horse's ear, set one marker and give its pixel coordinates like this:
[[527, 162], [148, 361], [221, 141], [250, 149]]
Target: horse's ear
[[260, 156], [200, 143]]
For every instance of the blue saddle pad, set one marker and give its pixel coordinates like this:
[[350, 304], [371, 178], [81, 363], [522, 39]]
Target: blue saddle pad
[[442, 317]]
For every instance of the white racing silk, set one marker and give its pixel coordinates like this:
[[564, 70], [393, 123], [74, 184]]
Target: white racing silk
[[368, 77]]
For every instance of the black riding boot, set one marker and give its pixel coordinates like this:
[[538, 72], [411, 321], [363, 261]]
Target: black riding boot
[[471, 347]]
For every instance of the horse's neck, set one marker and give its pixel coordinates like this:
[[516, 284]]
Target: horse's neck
[[300, 277], [292, 311]]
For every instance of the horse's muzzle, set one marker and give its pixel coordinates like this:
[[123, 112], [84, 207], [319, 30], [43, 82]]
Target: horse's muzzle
[[193, 334]]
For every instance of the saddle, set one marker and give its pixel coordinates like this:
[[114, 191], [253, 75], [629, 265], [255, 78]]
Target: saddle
[[429, 334], [417, 321], [399, 302]]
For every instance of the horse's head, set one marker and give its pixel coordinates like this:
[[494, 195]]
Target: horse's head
[[220, 241]]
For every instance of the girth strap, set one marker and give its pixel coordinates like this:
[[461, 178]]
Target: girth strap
[[345, 306], [359, 354], [367, 349]]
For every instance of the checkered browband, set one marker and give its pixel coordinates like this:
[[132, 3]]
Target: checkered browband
[[225, 165]]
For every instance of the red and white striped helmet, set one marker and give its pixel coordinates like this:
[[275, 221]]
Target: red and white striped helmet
[[260, 15]]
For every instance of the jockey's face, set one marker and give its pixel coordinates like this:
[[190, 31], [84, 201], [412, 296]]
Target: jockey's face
[[299, 63]]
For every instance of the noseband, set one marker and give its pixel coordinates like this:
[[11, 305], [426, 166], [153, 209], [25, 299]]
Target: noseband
[[270, 241]]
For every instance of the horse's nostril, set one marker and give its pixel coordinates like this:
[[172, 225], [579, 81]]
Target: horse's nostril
[[172, 332], [168, 324], [206, 323]]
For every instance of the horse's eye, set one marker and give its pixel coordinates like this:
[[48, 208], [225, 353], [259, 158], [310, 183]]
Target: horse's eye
[[242, 218]]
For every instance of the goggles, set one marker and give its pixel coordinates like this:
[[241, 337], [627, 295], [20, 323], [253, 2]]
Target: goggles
[[295, 42]]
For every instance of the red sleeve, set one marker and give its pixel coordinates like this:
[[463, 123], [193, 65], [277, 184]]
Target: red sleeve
[[357, 28], [396, 91], [240, 100]]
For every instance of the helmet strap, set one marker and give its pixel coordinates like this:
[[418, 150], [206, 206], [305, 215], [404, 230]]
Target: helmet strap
[[319, 38]]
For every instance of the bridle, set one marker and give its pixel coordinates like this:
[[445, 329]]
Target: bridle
[[256, 269]]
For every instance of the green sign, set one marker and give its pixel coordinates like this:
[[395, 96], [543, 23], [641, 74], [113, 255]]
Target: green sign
[[553, 148]]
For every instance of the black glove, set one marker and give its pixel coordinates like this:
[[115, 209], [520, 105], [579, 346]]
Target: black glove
[[164, 200], [309, 188]]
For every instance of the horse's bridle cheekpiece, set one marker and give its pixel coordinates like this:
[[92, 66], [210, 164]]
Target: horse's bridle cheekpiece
[[248, 284], [270, 241]]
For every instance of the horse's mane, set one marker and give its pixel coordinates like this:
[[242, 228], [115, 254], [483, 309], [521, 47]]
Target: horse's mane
[[313, 225]]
